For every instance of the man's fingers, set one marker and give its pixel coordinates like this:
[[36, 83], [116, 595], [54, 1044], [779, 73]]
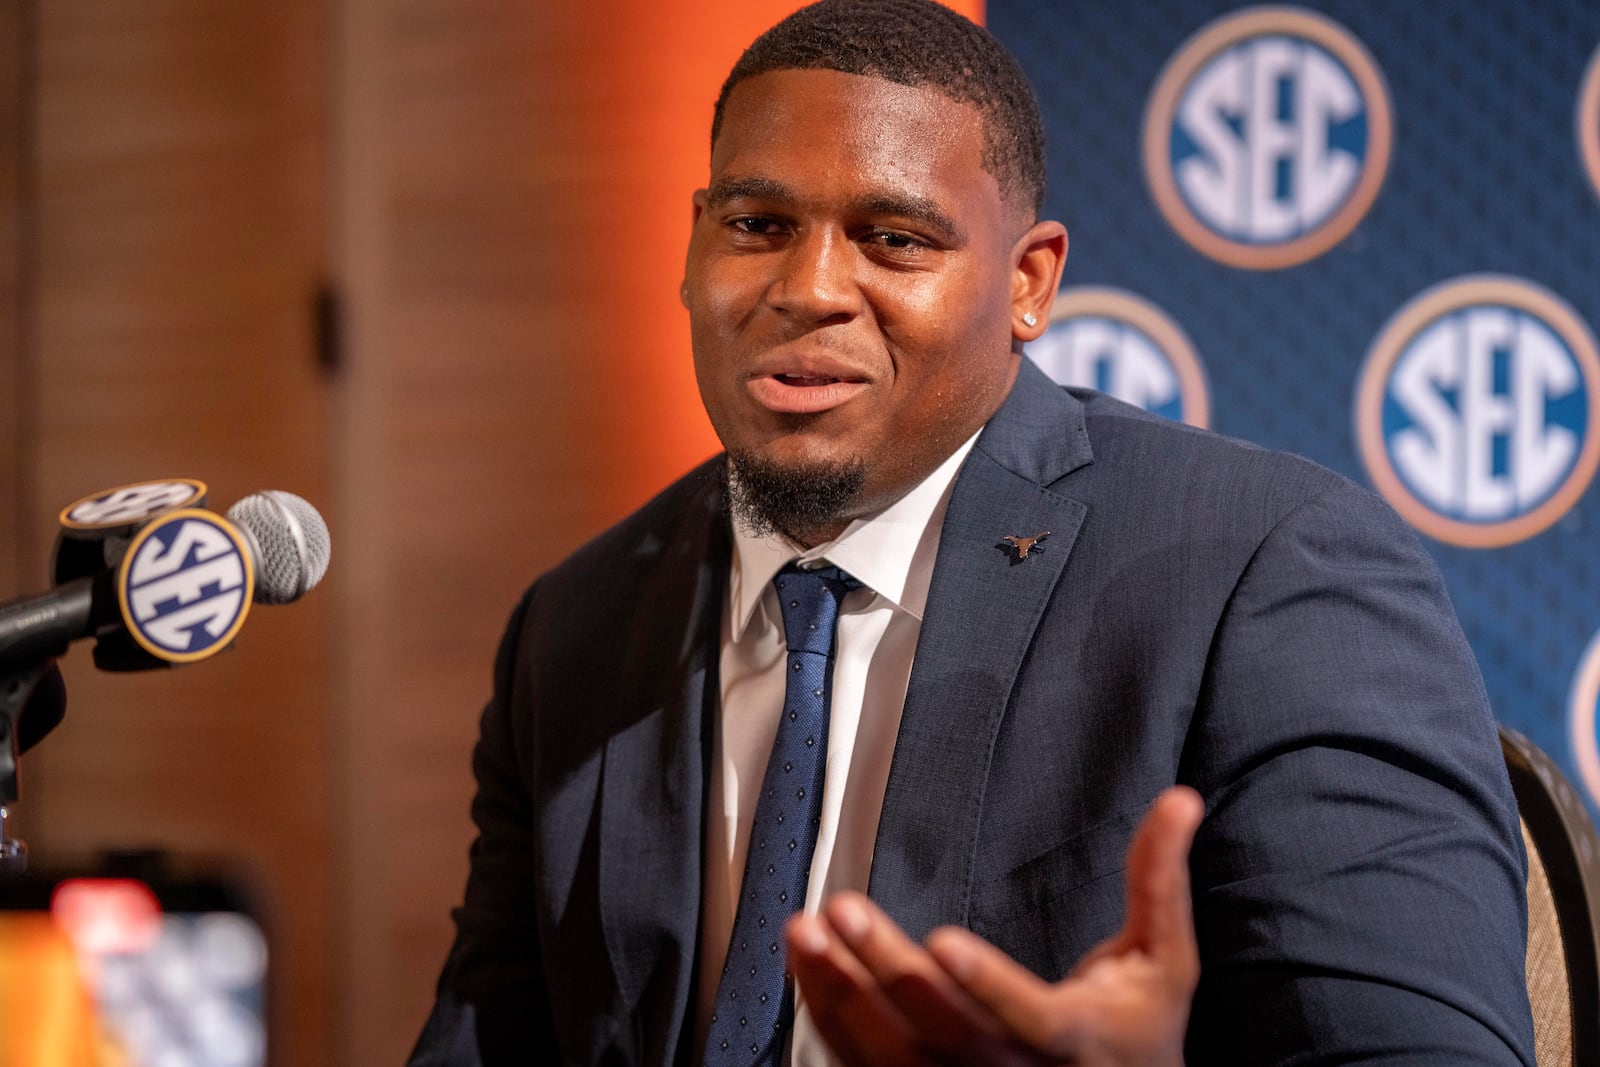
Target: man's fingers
[[1152, 961], [1160, 918], [853, 1015], [944, 1017], [879, 998], [880, 945], [1023, 1002]]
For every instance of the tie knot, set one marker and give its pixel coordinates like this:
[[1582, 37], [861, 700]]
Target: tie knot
[[810, 602]]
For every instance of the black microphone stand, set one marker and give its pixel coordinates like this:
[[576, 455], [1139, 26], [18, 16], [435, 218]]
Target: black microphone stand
[[33, 632], [36, 690]]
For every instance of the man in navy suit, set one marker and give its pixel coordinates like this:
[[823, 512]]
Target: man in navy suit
[[1078, 628]]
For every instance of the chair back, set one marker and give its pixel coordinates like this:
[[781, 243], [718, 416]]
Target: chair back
[[1563, 966]]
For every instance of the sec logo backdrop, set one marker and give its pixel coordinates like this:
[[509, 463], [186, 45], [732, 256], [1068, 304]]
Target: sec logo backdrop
[[1478, 410], [1267, 137]]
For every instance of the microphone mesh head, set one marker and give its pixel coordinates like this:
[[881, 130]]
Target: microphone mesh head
[[293, 541]]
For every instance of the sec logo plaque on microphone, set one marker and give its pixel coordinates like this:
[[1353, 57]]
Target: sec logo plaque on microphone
[[129, 505], [1478, 410], [185, 585], [1267, 137]]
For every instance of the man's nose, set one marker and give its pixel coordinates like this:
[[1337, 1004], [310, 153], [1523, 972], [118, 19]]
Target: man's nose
[[817, 279]]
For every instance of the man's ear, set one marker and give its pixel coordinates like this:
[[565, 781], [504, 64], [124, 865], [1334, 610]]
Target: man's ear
[[1039, 255], [696, 209]]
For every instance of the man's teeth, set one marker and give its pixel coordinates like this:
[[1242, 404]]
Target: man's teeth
[[795, 379]]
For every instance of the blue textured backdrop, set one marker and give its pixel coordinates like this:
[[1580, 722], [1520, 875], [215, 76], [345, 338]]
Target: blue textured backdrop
[[1485, 177]]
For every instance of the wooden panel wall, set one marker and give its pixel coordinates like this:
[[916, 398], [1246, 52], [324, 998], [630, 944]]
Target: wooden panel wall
[[13, 108], [176, 220]]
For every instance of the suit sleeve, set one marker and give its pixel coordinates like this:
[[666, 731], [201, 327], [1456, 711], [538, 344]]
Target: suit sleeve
[[1359, 877], [492, 1008]]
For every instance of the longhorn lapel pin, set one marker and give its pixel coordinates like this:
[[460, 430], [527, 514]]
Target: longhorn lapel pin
[[1024, 545]]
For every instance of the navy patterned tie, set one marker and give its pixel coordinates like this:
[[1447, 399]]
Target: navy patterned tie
[[753, 1011]]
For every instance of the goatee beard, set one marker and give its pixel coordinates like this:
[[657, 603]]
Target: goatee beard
[[796, 501]]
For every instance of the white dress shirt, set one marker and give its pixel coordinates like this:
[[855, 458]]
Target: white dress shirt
[[891, 553]]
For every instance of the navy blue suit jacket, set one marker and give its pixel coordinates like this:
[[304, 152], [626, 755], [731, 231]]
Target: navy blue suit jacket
[[1203, 612]]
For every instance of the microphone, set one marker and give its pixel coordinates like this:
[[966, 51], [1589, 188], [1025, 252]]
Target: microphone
[[176, 590], [158, 581], [290, 543]]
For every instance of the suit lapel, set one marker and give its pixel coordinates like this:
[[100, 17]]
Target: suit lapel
[[653, 785], [983, 607]]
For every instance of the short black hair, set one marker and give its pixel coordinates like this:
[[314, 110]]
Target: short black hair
[[918, 43]]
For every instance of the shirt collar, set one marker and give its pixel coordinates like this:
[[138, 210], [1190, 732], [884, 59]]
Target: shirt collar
[[891, 552]]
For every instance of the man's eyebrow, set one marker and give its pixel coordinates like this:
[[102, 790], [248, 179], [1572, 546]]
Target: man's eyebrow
[[727, 189], [903, 205], [919, 208]]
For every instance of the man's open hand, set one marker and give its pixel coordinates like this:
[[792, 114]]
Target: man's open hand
[[880, 1000]]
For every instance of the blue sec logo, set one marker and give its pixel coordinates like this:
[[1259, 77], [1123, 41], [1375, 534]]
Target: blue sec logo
[[185, 585], [1116, 342], [1583, 728], [1267, 137], [1589, 121], [1478, 410]]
